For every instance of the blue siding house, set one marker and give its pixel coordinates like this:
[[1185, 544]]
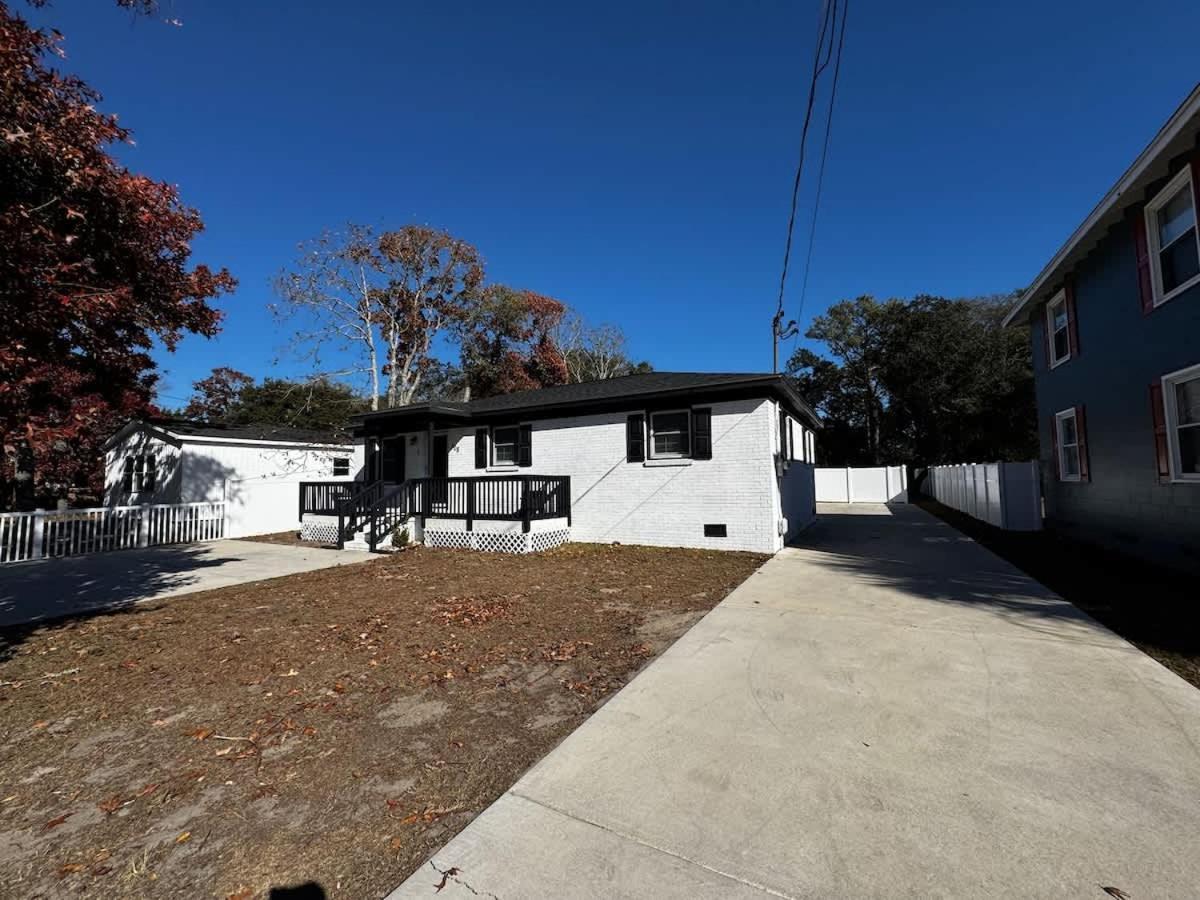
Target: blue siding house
[[1115, 322]]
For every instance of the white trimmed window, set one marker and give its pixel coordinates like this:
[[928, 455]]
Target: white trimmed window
[[341, 466], [1058, 329], [504, 446], [670, 436], [1181, 393], [1174, 238], [139, 474], [1067, 425]]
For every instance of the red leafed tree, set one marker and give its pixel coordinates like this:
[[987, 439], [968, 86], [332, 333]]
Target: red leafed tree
[[508, 343], [214, 397], [94, 267]]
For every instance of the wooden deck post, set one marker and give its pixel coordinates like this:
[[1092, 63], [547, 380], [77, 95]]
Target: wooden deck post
[[525, 503]]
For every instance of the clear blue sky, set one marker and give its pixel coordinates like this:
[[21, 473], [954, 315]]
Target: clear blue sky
[[635, 160]]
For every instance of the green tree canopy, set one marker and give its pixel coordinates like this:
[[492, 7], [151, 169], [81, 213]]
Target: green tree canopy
[[931, 380]]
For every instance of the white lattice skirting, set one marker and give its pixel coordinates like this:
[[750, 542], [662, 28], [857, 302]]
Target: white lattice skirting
[[491, 542], [319, 528]]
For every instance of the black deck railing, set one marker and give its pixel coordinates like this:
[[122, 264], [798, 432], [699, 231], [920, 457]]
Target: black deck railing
[[377, 508], [507, 498], [322, 497]]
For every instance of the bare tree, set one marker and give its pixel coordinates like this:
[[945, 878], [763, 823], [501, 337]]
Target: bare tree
[[331, 299], [432, 281], [594, 352], [375, 303]]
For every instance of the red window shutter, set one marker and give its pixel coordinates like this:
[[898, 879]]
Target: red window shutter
[[1081, 436], [1072, 321], [1142, 247], [1158, 415], [1054, 445]]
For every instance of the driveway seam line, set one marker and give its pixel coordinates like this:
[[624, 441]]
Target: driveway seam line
[[636, 840]]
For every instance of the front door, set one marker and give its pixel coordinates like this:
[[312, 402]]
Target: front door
[[439, 468], [392, 460]]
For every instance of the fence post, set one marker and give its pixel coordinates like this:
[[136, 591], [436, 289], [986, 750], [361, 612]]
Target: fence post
[[849, 483], [144, 526], [39, 530], [470, 486]]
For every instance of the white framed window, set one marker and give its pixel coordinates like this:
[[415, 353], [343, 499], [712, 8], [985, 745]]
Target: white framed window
[[1181, 396], [670, 434], [1174, 238], [341, 466], [1067, 425], [140, 473], [504, 445], [1058, 329]]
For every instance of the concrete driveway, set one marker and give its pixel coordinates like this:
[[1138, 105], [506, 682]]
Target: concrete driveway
[[51, 588], [887, 711]]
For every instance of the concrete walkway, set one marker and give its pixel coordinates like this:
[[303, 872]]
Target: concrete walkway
[[51, 588], [887, 711]]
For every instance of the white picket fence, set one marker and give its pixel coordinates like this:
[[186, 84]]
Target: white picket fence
[[71, 532], [1007, 495], [877, 484]]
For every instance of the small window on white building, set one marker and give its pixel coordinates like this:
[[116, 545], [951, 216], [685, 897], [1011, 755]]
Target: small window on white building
[[504, 446], [669, 435], [1181, 391], [341, 467], [140, 473], [1058, 327], [1173, 237], [1067, 424]]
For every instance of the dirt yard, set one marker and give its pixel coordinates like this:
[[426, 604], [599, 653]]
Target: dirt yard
[[329, 729]]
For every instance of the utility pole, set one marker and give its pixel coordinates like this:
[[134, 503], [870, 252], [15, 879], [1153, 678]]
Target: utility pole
[[780, 332]]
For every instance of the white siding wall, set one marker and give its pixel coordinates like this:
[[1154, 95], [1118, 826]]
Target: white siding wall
[[260, 484], [796, 495], [167, 483], [645, 503]]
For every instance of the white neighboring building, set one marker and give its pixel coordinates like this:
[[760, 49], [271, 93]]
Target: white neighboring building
[[679, 459], [255, 469]]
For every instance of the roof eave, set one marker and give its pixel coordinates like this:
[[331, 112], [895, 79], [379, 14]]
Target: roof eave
[[1170, 132]]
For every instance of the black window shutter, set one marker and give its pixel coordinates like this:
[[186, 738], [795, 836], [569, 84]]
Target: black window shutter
[[783, 435], [481, 448], [635, 438], [525, 446], [148, 479], [702, 434], [127, 476]]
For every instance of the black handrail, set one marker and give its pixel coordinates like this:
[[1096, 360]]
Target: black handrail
[[388, 512], [351, 510]]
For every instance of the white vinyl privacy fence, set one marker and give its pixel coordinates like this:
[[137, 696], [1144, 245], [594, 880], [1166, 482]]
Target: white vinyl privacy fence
[[1007, 495], [71, 532], [878, 484]]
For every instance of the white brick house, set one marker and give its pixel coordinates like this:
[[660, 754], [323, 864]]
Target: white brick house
[[718, 461]]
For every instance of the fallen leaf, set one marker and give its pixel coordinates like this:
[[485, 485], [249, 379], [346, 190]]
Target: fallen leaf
[[40, 724], [200, 733], [56, 821], [70, 868], [148, 790], [446, 876], [111, 805], [184, 837], [1115, 892]]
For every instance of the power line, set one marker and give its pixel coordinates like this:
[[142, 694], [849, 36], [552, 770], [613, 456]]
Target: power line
[[812, 232], [830, 13]]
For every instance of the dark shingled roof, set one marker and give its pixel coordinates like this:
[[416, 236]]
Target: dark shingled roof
[[627, 387], [281, 433]]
